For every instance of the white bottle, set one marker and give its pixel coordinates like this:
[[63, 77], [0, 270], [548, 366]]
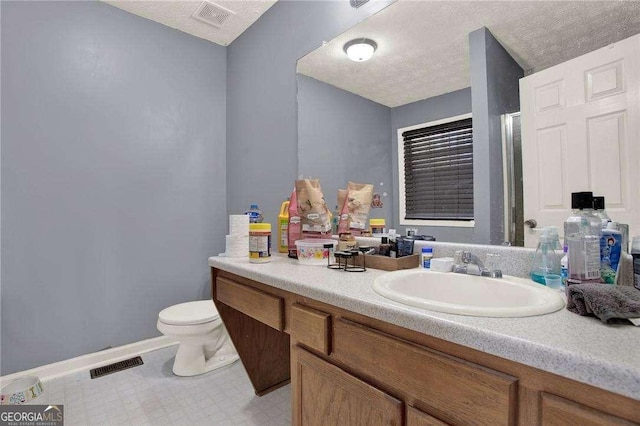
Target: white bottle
[[564, 266], [425, 257]]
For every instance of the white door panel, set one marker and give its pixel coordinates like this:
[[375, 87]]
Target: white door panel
[[580, 132]]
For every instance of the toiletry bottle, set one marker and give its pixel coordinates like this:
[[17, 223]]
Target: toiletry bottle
[[545, 260], [283, 227], [294, 230], [255, 214], [578, 202], [623, 228], [259, 242], [564, 266], [377, 226], [600, 212], [635, 252], [347, 242], [610, 252], [583, 241], [426, 256], [393, 249], [383, 250]]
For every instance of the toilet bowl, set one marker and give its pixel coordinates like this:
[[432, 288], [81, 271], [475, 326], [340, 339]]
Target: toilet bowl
[[204, 344]]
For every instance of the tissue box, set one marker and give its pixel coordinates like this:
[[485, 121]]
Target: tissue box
[[442, 264]]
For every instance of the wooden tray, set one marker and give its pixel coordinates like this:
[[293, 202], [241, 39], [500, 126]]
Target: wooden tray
[[389, 263]]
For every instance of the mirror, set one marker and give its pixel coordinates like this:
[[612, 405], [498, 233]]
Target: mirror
[[426, 68]]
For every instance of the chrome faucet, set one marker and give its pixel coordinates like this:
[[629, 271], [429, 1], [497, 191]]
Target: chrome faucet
[[468, 263]]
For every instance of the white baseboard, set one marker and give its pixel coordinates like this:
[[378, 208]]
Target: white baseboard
[[92, 360]]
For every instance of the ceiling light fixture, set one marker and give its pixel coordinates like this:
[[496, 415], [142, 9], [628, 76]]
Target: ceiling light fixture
[[360, 49]]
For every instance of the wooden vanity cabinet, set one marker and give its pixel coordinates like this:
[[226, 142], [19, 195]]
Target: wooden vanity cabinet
[[348, 369]]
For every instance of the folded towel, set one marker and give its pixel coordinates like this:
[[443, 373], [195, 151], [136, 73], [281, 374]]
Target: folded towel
[[605, 301]]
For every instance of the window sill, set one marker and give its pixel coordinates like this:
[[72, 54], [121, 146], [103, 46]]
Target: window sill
[[442, 223]]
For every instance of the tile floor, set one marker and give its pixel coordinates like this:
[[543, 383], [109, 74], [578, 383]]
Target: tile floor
[[151, 395]]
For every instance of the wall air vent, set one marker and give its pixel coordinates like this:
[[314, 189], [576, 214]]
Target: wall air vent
[[213, 14], [357, 3]]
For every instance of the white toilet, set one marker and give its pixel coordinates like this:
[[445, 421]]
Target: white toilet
[[204, 342]]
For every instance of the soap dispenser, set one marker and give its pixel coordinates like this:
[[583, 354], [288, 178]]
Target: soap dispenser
[[545, 260]]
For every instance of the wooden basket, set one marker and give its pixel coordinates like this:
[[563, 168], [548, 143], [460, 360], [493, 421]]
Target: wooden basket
[[389, 263]]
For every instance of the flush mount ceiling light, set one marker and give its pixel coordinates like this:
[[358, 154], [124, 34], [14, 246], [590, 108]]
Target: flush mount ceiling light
[[360, 49]]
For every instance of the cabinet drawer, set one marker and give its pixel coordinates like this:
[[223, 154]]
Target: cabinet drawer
[[454, 390], [560, 411], [262, 306], [311, 327]]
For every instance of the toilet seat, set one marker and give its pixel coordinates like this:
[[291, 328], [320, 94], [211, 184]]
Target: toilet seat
[[189, 313]]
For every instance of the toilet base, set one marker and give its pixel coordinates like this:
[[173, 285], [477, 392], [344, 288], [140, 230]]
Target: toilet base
[[190, 359]]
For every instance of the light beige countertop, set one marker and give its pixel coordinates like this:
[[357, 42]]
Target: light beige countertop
[[579, 348]]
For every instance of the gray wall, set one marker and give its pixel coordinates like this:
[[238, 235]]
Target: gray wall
[[113, 176], [495, 91], [436, 108], [261, 97], [342, 137]]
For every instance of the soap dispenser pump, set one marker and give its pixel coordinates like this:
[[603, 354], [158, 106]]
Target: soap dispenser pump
[[545, 260]]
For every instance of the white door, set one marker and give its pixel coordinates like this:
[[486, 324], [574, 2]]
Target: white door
[[580, 131]]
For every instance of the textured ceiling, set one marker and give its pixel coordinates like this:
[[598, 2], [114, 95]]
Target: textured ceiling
[[178, 15], [423, 47]]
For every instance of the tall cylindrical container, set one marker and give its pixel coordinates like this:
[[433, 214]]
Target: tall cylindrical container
[[425, 257], [259, 242], [583, 240], [377, 226], [610, 252], [283, 228]]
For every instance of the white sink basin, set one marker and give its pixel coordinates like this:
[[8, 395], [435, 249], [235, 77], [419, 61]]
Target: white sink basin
[[468, 295]]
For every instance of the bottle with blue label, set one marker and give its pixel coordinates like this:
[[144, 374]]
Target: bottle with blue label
[[426, 256], [254, 213], [610, 251]]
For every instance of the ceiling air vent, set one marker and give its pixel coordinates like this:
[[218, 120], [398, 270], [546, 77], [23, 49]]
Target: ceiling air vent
[[213, 14], [357, 3]]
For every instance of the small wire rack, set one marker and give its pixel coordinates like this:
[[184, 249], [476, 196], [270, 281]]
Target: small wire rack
[[346, 260]]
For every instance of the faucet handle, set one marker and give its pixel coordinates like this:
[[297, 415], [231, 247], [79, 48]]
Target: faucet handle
[[493, 265], [457, 257], [492, 273]]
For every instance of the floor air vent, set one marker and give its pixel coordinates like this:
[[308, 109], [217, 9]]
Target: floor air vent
[[115, 367]]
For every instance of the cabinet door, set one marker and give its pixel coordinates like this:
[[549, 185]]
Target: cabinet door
[[416, 417], [323, 394], [455, 390], [560, 411]]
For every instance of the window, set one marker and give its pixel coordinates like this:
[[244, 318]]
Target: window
[[436, 173]]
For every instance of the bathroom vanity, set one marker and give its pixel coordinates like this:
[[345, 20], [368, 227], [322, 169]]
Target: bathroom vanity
[[356, 358]]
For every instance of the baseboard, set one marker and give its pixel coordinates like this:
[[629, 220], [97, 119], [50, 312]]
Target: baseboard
[[92, 360]]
